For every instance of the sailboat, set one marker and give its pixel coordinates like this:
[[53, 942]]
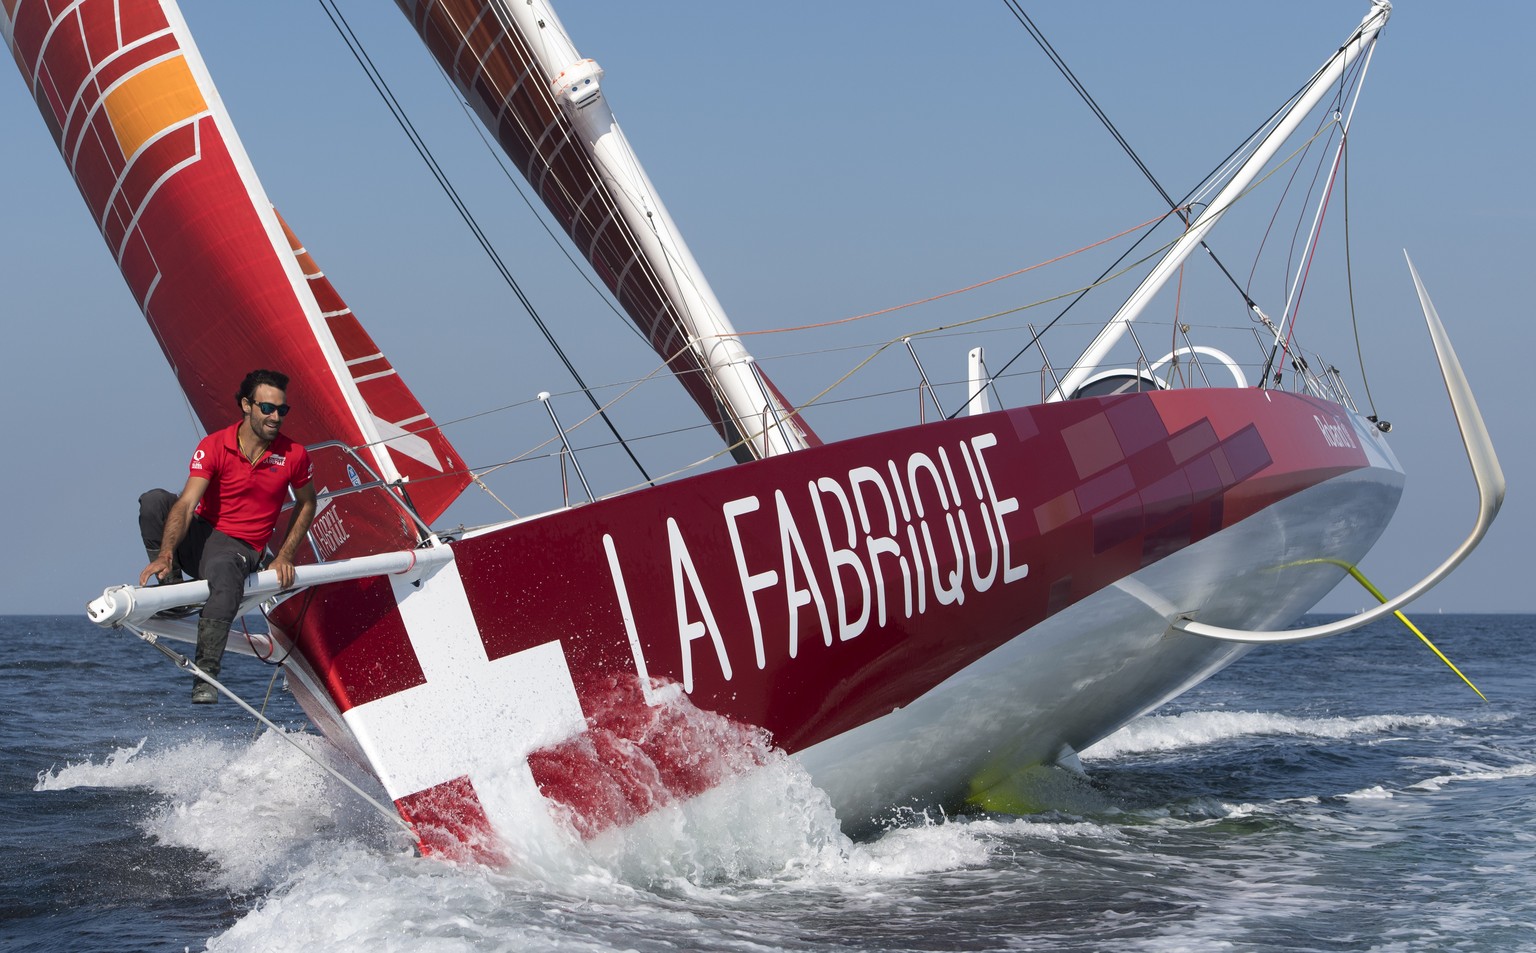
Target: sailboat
[[916, 615]]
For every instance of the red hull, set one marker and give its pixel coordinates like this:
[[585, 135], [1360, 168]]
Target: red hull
[[615, 656], [810, 594]]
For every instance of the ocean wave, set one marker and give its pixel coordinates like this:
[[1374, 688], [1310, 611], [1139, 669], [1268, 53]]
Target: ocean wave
[[256, 809], [1440, 781], [1161, 733]]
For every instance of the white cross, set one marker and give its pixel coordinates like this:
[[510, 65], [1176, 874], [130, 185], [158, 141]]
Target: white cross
[[472, 716]]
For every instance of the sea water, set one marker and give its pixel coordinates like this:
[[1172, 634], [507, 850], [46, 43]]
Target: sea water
[[1350, 794]]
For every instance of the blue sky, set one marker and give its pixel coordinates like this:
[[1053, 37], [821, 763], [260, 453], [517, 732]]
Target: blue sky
[[821, 165]]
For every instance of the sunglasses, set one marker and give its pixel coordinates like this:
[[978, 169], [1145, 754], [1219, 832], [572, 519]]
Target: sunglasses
[[267, 407]]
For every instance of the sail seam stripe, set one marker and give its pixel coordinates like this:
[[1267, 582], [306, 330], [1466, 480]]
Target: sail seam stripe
[[88, 82], [42, 47], [138, 212]]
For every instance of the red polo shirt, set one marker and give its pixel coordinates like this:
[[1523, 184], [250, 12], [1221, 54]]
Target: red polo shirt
[[243, 500]]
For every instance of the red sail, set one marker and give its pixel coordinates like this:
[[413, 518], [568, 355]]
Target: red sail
[[223, 283], [494, 68]]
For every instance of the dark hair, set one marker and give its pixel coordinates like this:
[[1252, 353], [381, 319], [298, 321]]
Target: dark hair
[[255, 379]]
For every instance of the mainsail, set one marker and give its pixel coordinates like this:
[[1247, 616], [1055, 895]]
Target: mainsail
[[225, 285], [516, 66]]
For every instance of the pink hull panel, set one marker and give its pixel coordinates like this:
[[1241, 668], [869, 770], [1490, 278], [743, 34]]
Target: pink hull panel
[[804, 595]]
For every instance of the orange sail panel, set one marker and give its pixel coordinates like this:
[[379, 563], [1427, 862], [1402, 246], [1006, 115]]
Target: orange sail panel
[[223, 282]]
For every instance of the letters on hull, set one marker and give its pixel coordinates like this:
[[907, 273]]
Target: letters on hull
[[804, 596]]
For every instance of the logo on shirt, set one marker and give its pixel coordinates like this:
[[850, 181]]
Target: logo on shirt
[[197, 460], [277, 459]]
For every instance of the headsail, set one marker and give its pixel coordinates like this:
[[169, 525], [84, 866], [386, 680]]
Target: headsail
[[517, 67], [223, 282]]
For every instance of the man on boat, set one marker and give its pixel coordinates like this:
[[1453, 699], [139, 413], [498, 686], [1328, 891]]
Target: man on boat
[[237, 483]]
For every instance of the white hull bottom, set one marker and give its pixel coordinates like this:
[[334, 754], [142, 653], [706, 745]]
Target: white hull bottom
[[1072, 680]]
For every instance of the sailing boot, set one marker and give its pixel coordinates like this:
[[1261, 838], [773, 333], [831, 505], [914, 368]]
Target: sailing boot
[[212, 634]]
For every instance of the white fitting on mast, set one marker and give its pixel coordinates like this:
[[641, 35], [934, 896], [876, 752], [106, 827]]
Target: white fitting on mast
[[576, 83]]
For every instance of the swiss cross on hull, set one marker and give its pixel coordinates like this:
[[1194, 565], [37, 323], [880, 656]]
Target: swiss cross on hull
[[472, 721]]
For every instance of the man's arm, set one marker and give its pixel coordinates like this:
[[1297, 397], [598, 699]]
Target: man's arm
[[303, 515], [175, 529]]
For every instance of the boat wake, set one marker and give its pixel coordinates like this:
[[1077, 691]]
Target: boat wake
[[258, 810], [1195, 729], [261, 811], [722, 869]]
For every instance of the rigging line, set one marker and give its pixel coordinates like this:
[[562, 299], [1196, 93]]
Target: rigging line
[[1348, 82], [648, 279], [477, 472], [499, 158], [1306, 203], [1178, 207], [1110, 273], [488, 469], [815, 398], [354, 45], [881, 348], [1349, 280], [1349, 86], [986, 317], [1314, 241], [1101, 279], [182, 662], [1274, 218], [666, 322], [1334, 116], [971, 287]]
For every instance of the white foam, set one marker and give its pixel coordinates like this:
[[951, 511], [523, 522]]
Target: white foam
[[1158, 733], [1440, 781], [761, 833], [1373, 793], [128, 767], [257, 810], [770, 821], [339, 879]]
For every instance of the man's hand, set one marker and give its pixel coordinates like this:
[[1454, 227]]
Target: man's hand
[[283, 566], [159, 568]]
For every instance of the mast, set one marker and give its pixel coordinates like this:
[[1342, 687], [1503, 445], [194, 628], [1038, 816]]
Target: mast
[[516, 65], [1305, 101]]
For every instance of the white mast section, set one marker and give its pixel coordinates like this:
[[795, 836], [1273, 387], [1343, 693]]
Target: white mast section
[[1304, 103], [574, 82]]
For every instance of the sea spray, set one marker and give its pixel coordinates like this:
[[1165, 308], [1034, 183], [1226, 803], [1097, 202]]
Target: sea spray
[[257, 809]]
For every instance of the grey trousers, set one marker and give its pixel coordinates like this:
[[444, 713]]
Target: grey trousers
[[204, 552]]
